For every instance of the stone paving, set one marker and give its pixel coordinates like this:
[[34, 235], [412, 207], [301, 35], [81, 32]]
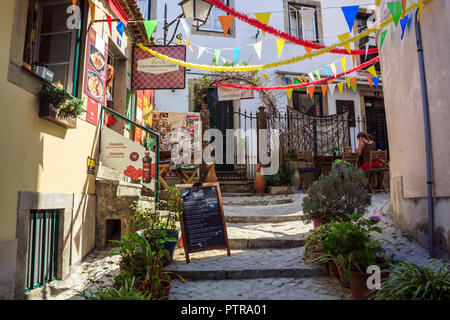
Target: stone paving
[[267, 273]]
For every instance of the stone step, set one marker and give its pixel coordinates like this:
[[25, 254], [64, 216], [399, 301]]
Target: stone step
[[244, 264], [281, 235], [239, 186]]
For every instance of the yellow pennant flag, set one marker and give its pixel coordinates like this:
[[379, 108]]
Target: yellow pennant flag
[[280, 45], [263, 17], [348, 82], [92, 6], [340, 86], [372, 71], [343, 37], [420, 3], [300, 79], [344, 64], [265, 76], [289, 93]]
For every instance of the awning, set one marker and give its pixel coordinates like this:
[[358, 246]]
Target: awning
[[118, 11]]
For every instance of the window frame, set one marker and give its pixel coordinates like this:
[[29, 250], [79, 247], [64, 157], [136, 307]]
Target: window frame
[[316, 26], [296, 98]]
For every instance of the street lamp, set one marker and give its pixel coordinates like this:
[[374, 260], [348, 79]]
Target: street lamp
[[197, 9]]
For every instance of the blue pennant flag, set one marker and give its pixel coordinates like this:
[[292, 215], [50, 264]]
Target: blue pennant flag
[[375, 81], [120, 28], [326, 71], [403, 23], [237, 52], [350, 13], [287, 80]]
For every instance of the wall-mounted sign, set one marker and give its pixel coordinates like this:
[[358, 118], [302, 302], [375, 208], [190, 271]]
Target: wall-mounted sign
[[92, 111], [226, 94], [96, 66], [90, 165], [150, 72], [127, 157]]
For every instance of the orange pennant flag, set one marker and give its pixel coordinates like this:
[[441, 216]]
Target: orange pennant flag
[[304, 79], [354, 60], [324, 90], [308, 50], [310, 91], [225, 22], [330, 81], [404, 8], [353, 81], [370, 81]]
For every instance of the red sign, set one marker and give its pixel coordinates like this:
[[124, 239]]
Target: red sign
[[92, 111], [96, 66], [139, 114], [150, 72]]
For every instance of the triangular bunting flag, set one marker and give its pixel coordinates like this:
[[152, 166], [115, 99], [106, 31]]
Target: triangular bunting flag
[[330, 81], [324, 90], [372, 71], [332, 86], [308, 50], [150, 26], [304, 79], [404, 8], [217, 55], [287, 80], [108, 18], [225, 22], [200, 52], [343, 37], [266, 76], [350, 13], [297, 81], [92, 7], [300, 79], [353, 82], [318, 75], [348, 82], [310, 91], [420, 3], [375, 81], [236, 52], [344, 64], [311, 76], [340, 86], [280, 45], [403, 23], [396, 10], [367, 49], [326, 72], [289, 93], [383, 36], [264, 18], [333, 68], [257, 46], [370, 81], [120, 28], [354, 60], [187, 25]]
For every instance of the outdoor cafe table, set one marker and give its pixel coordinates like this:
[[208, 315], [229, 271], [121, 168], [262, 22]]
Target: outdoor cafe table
[[326, 160]]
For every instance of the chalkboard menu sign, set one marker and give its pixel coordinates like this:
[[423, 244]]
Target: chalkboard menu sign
[[202, 221]]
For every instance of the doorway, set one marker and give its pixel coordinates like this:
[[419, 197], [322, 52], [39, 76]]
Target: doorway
[[376, 122]]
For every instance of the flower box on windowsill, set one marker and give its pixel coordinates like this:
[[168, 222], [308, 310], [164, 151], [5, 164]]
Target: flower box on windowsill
[[57, 115]]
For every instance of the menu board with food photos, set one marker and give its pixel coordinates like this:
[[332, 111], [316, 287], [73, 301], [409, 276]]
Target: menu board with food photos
[[96, 67]]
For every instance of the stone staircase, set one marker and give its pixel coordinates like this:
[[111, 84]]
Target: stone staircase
[[266, 237]]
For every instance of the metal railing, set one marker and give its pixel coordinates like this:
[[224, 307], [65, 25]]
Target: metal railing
[[149, 131]]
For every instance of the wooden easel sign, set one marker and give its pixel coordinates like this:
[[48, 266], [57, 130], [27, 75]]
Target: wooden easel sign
[[202, 221]]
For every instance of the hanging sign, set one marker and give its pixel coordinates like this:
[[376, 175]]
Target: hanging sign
[[95, 71], [150, 72], [226, 94], [202, 222]]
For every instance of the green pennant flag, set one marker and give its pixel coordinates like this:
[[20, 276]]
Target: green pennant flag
[[383, 36], [318, 74], [217, 54], [150, 26], [296, 81], [396, 10]]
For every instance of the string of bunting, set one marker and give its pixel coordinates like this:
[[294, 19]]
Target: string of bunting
[[298, 85], [261, 23]]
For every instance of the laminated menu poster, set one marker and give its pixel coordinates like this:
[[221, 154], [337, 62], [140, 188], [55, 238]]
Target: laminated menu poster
[[202, 221], [96, 67]]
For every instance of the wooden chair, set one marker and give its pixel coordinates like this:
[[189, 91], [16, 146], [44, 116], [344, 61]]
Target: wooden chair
[[348, 149], [380, 156], [351, 157], [305, 162]]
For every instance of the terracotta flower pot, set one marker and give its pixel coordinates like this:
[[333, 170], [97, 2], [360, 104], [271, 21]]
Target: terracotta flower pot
[[358, 285], [167, 285], [260, 183], [333, 270], [318, 222]]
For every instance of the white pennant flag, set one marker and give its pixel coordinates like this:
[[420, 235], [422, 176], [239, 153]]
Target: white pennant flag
[[333, 68], [307, 19], [187, 24], [367, 49], [331, 87], [311, 76], [200, 52], [258, 47]]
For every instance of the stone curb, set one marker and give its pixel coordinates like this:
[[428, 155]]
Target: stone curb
[[250, 273], [272, 219]]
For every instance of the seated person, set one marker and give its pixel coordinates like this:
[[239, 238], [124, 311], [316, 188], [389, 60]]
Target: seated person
[[365, 146]]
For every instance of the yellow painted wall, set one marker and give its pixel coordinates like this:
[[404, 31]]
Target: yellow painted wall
[[36, 155]]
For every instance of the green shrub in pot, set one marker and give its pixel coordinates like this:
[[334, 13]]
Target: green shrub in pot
[[333, 196], [313, 244], [59, 98]]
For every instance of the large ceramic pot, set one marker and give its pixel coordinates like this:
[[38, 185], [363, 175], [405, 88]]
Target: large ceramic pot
[[260, 183], [358, 284], [318, 222]]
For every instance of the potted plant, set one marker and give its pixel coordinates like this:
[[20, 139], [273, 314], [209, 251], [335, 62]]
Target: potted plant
[[159, 225], [333, 196], [351, 246], [334, 150], [280, 183], [409, 281], [58, 106]]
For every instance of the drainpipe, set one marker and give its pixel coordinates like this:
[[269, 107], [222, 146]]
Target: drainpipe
[[426, 119]]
